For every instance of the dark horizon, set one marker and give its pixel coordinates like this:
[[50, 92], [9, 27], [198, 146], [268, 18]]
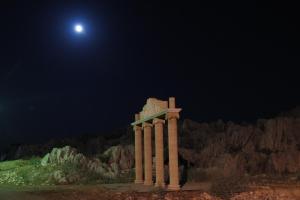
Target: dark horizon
[[234, 61]]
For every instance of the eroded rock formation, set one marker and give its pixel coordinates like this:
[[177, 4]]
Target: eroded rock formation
[[269, 146], [111, 164]]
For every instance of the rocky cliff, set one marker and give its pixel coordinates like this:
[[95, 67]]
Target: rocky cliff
[[269, 146]]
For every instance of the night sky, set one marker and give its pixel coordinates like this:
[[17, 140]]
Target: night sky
[[232, 60]]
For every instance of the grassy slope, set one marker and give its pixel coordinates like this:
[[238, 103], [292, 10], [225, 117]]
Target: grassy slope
[[30, 172], [24, 172]]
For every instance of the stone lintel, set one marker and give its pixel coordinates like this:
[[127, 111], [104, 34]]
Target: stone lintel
[[165, 112], [149, 118]]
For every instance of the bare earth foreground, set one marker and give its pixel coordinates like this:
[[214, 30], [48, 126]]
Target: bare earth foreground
[[131, 191]]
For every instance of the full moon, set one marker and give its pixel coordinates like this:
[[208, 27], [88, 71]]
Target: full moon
[[78, 28]]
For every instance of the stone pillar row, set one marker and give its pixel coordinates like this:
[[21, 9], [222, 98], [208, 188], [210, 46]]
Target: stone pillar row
[[172, 117]]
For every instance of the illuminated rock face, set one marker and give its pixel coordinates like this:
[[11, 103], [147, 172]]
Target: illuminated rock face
[[154, 113], [118, 159]]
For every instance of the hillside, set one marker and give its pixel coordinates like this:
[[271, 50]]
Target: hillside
[[270, 146], [66, 165]]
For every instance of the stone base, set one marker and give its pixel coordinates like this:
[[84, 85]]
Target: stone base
[[148, 183], [173, 187], [160, 185], [138, 181]]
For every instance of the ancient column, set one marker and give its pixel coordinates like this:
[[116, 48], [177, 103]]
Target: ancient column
[[148, 153], [138, 153], [172, 117], [159, 152]]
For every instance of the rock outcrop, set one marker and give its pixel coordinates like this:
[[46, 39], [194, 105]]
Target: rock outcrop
[[122, 156], [115, 161], [63, 155], [269, 146]]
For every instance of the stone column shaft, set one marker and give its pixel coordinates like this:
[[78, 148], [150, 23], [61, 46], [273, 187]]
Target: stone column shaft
[[138, 155], [159, 152], [148, 153], [173, 151]]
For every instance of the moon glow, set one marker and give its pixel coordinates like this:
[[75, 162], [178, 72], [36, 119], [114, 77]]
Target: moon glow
[[78, 28]]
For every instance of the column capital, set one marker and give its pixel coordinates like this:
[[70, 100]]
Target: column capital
[[172, 115], [137, 128], [146, 124], [157, 120]]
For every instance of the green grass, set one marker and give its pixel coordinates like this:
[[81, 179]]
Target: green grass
[[18, 172], [24, 172], [14, 164], [32, 173], [9, 165]]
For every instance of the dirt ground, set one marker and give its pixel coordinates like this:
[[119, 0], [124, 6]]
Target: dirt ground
[[195, 191]]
